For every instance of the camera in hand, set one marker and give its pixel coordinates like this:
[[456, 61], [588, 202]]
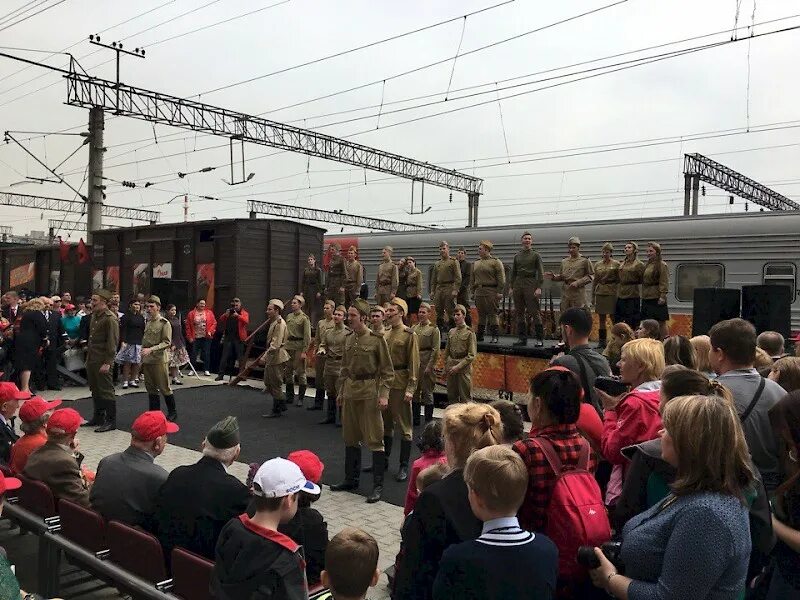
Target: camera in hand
[[612, 386], [587, 558]]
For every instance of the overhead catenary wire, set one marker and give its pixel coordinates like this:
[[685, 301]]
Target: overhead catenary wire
[[27, 17]]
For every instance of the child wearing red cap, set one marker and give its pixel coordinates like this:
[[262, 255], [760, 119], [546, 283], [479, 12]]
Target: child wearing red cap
[[33, 415], [10, 397]]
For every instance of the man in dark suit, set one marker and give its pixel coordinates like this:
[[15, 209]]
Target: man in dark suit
[[57, 463], [11, 307], [10, 397], [55, 350], [127, 483], [198, 500]]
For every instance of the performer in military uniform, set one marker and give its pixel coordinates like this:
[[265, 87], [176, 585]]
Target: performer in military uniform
[[102, 347], [628, 307], [331, 348], [604, 290], [312, 288], [156, 342], [445, 283], [655, 287], [363, 393], [275, 358], [377, 316], [334, 289], [459, 353], [319, 363], [402, 273], [466, 276], [387, 278], [353, 276], [488, 281], [299, 337], [527, 276], [576, 273], [430, 343], [414, 285]]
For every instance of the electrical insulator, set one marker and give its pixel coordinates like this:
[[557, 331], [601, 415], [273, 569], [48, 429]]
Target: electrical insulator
[[746, 207], [730, 199], [451, 196], [703, 190]]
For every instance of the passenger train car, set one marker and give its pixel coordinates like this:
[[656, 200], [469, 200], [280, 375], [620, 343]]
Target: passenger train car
[[729, 250]]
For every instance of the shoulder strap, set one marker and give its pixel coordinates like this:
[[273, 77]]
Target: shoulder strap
[[754, 401], [550, 454]]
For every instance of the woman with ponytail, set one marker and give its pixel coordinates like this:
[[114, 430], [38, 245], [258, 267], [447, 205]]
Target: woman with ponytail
[[442, 514]]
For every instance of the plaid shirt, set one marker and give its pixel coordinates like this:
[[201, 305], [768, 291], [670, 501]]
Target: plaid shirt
[[541, 479]]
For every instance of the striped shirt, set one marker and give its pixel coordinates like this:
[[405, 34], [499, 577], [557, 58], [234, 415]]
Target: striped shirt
[[504, 532]]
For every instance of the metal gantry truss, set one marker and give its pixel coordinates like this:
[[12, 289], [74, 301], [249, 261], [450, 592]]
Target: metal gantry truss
[[697, 167], [77, 207], [257, 207]]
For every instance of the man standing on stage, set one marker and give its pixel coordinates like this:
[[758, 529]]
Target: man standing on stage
[[413, 282], [466, 276], [445, 283], [488, 281], [275, 358], [363, 393], [331, 348], [323, 325], [527, 276], [334, 289], [156, 342], [353, 276], [386, 279], [299, 338], [576, 273], [102, 347], [312, 287], [430, 343]]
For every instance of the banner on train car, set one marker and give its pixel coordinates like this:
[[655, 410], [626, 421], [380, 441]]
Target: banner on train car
[[205, 283], [162, 271], [97, 280], [112, 279], [22, 275], [141, 281]]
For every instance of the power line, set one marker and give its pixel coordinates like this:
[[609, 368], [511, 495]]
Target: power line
[[23, 19]]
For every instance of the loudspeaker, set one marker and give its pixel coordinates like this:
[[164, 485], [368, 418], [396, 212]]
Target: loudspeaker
[[712, 305], [172, 291], [768, 307]]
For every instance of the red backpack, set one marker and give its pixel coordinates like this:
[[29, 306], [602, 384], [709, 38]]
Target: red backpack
[[576, 515]]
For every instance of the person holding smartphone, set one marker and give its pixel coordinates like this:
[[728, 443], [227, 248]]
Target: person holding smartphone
[[233, 323]]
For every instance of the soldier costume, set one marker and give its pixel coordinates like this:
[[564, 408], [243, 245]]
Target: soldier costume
[[274, 359], [628, 306], [386, 279], [466, 276], [445, 283], [413, 287], [488, 281], [527, 276], [655, 287], [331, 348], [363, 392], [312, 289], [298, 340], [459, 353], [155, 365], [577, 270], [335, 279], [604, 291], [102, 347], [319, 363], [353, 277], [430, 343]]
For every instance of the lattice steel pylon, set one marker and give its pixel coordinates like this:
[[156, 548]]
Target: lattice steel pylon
[[697, 167], [76, 207]]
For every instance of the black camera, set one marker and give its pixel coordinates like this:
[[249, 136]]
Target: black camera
[[587, 558], [612, 386]]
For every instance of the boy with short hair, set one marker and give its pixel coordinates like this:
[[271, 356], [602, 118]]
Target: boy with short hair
[[254, 560], [505, 561], [351, 565]]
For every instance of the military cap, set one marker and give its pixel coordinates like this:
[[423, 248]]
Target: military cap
[[462, 249], [104, 294], [608, 246], [378, 308], [361, 306], [335, 245], [224, 434], [401, 303], [487, 244], [635, 246], [524, 233], [388, 249], [277, 302], [353, 248], [299, 298], [331, 302], [462, 308], [341, 308], [154, 300], [575, 241], [443, 243], [425, 305]]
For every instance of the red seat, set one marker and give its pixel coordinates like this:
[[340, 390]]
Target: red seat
[[136, 551], [191, 575], [83, 526], [36, 497]]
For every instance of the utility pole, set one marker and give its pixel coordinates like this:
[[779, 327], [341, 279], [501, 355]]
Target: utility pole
[[94, 210]]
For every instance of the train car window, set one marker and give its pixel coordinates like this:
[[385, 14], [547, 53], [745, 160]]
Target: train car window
[[781, 274], [551, 288], [694, 275]]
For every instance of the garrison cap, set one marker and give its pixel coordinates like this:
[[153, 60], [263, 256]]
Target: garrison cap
[[444, 243], [487, 244], [425, 305], [635, 246], [154, 300], [389, 249], [335, 245], [462, 308], [104, 294], [224, 434], [608, 246], [361, 306], [340, 307], [277, 302], [575, 241], [300, 299], [401, 303], [377, 308], [331, 302], [462, 249], [524, 233]]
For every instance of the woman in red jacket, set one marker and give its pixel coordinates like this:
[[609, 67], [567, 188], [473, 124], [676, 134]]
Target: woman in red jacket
[[200, 327]]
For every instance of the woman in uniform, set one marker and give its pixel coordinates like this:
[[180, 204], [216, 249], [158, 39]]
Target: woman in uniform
[[606, 279], [628, 308], [459, 353], [655, 285]]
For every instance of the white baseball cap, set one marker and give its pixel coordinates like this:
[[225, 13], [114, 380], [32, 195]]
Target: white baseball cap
[[279, 477]]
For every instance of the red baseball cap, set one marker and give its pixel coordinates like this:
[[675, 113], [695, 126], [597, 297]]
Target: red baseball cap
[[9, 391], [35, 407], [64, 420], [309, 464], [9, 483], [152, 424]]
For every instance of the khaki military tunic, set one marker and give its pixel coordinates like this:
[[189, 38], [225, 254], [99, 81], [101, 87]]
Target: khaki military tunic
[[578, 270], [331, 347], [335, 280], [366, 376], [353, 278], [103, 341], [386, 281], [155, 366], [430, 343], [527, 275], [445, 279], [460, 351], [466, 276], [275, 359], [404, 352], [488, 280], [414, 283], [655, 281], [606, 281], [630, 278], [319, 361], [297, 342], [311, 286]]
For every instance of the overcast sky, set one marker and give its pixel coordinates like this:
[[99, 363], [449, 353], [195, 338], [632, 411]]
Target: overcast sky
[[694, 94]]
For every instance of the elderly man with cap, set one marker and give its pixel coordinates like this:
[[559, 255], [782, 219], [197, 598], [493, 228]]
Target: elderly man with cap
[[126, 484], [353, 276], [628, 307], [10, 397], [387, 278], [331, 347], [275, 358], [576, 273], [527, 276], [430, 343], [57, 462], [334, 281], [604, 290], [445, 283], [459, 354], [488, 281], [323, 326], [101, 349], [197, 500], [363, 393], [155, 358], [33, 414], [298, 339]]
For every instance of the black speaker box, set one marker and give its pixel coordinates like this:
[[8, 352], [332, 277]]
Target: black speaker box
[[712, 305], [768, 307], [172, 291]]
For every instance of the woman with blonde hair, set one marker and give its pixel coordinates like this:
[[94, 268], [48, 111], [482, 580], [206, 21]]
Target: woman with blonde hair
[[443, 516], [696, 542], [29, 340], [702, 354], [655, 287], [786, 372], [621, 334]]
